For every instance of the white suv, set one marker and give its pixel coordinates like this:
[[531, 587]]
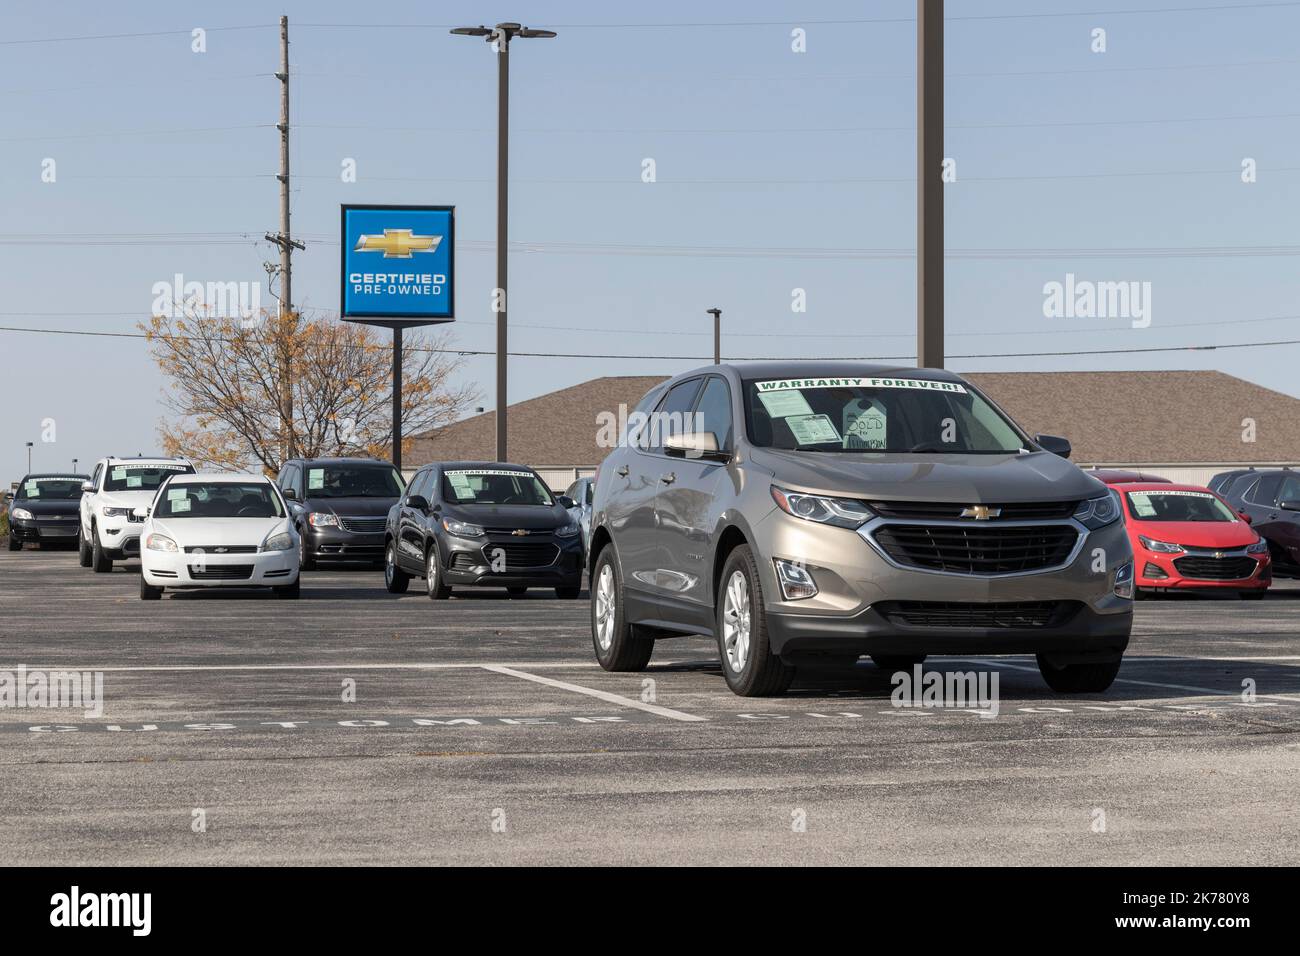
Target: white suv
[[109, 530]]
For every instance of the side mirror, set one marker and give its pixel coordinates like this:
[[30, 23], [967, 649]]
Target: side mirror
[[566, 502], [695, 445], [141, 513], [417, 503], [1291, 504], [1244, 517], [87, 488], [1055, 444], [290, 494], [9, 496]]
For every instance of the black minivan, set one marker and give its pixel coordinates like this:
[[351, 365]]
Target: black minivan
[[340, 506], [482, 524], [44, 509]]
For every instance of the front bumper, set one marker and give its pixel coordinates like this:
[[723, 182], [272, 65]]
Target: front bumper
[[1159, 571], [332, 543], [489, 562], [119, 536], [180, 570], [44, 530], [860, 588]]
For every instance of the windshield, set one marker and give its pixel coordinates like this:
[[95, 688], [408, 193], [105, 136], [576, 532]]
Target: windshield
[[873, 414], [142, 477], [50, 488], [354, 481], [1178, 506], [481, 486], [220, 499]]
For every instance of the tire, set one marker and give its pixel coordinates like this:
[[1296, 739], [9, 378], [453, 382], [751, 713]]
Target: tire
[[433, 575], [83, 549], [306, 560], [289, 592], [892, 663], [100, 561], [568, 594], [618, 645], [15, 543], [748, 664], [395, 579], [1256, 595], [1090, 678], [148, 592]]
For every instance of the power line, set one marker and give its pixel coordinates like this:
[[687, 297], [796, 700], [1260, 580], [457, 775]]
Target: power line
[[129, 36]]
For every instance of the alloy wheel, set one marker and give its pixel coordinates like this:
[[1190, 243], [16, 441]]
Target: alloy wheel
[[736, 622], [606, 606]]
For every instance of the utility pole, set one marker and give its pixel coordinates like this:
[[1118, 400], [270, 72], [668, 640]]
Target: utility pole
[[929, 184], [717, 335], [286, 321], [500, 36]]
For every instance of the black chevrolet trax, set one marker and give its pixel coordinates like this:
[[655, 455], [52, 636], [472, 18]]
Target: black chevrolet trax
[[482, 524]]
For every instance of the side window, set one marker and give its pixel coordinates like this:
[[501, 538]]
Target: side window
[[289, 477], [638, 432], [94, 479], [1265, 490], [1290, 489], [572, 491], [420, 485], [671, 415], [589, 491], [713, 414]]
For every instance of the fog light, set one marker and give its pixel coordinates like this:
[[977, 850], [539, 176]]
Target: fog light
[[1153, 572], [796, 582], [1124, 581]]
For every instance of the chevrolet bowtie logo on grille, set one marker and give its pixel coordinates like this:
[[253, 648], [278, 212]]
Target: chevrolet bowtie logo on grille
[[980, 512], [1218, 554], [218, 550], [397, 243], [520, 533]]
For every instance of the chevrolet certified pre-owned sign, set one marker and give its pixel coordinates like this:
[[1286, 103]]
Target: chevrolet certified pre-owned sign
[[398, 262]]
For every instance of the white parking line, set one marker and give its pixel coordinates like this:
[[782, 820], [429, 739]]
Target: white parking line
[[591, 692], [1212, 691], [141, 668]]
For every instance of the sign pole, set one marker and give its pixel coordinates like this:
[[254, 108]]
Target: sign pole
[[397, 397], [929, 184]]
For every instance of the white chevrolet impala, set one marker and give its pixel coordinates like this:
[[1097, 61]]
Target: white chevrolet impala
[[218, 531]]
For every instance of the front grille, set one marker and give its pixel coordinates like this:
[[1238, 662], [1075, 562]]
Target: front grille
[[1209, 568], [983, 549], [522, 555], [944, 510], [222, 549], [221, 572], [362, 525], [134, 518], [1015, 615]]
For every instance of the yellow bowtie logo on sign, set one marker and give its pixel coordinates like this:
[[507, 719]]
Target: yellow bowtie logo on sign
[[397, 243]]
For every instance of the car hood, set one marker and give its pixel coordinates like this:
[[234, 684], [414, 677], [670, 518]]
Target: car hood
[[1197, 534], [530, 517], [964, 479], [44, 508], [126, 499], [208, 532], [360, 507]]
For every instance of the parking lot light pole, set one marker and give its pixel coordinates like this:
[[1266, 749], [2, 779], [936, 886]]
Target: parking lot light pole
[[717, 335], [500, 37], [29, 458]]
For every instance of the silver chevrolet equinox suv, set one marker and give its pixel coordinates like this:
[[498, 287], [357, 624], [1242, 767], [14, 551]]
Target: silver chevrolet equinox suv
[[815, 512]]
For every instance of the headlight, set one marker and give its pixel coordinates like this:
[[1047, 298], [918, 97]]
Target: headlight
[[1160, 547], [279, 542], [841, 512], [117, 512], [1259, 547], [461, 528], [319, 519], [568, 531], [160, 542], [1096, 513], [22, 514]]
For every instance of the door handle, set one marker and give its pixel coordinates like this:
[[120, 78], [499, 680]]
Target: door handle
[[622, 472], [668, 479]]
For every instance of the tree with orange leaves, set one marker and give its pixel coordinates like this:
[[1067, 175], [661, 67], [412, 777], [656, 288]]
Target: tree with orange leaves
[[227, 393]]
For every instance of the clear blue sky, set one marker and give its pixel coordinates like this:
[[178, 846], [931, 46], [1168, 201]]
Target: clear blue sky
[[1062, 153]]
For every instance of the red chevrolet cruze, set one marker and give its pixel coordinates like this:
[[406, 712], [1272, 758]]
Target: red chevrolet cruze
[[1187, 538]]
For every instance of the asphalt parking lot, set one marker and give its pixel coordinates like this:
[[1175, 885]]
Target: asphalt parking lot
[[482, 732]]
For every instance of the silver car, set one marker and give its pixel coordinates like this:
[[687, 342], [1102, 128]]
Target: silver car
[[815, 512], [580, 494]]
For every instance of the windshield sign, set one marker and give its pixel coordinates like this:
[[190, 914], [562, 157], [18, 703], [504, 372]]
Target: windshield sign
[[876, 414], [354, 481], [486, 486], [1178, 506], [142, 477]]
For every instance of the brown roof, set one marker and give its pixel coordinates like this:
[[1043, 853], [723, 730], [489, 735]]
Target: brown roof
[[1110, 418]]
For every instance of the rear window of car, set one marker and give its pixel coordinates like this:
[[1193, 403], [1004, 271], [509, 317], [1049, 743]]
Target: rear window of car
[[143, 477]]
